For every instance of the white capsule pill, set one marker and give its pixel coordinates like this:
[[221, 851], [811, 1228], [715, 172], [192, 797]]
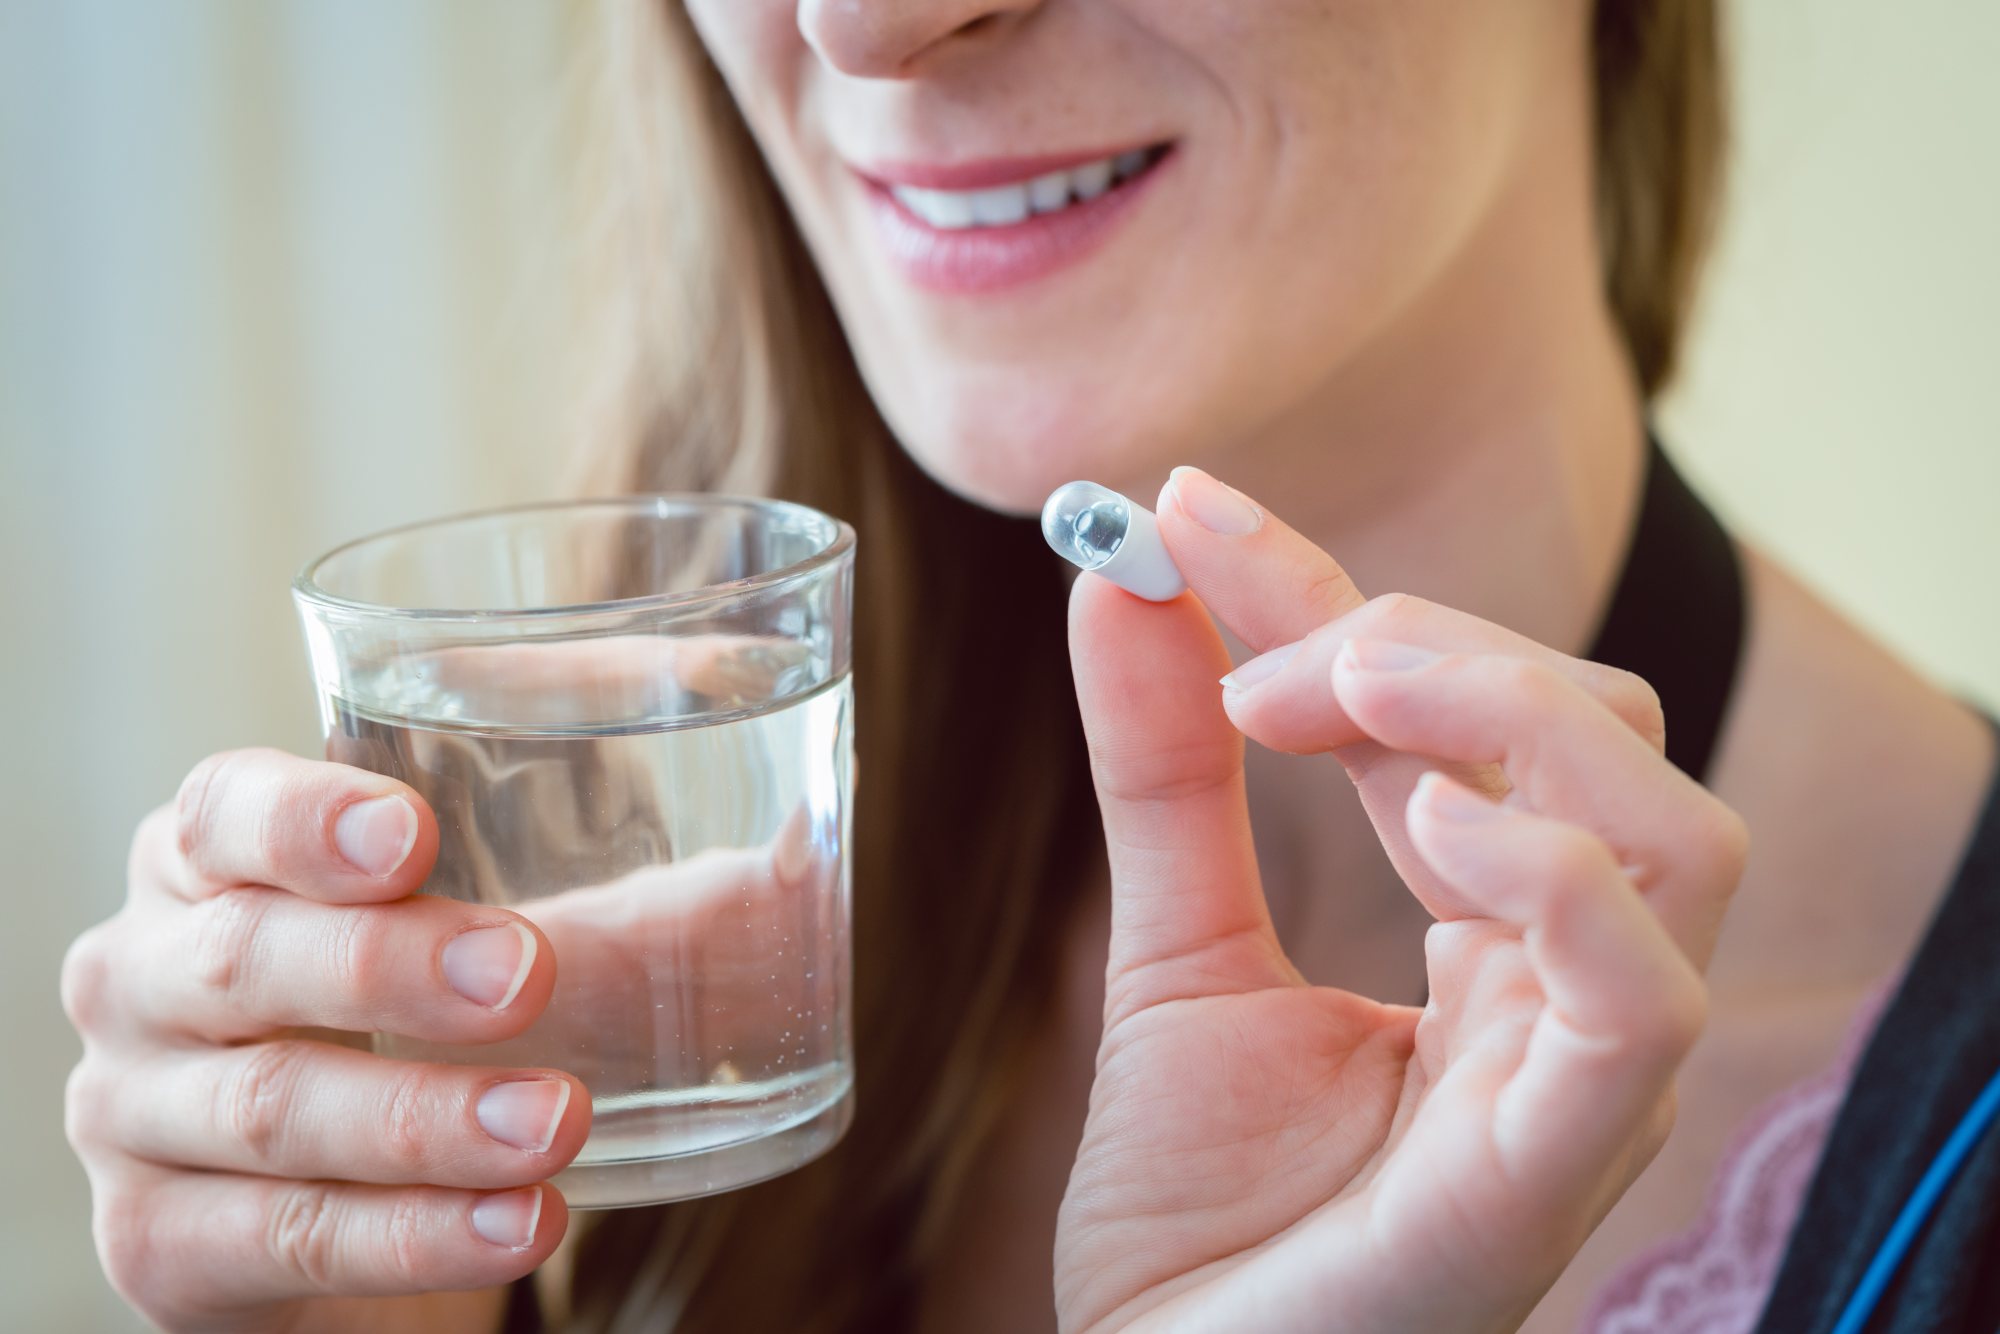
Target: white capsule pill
[[1096, 529]]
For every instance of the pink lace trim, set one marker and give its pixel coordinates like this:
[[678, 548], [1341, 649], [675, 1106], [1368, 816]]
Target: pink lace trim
[[1713, 1278]]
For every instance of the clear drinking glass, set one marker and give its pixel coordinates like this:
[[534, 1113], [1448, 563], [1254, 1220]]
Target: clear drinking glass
[[633, 719]]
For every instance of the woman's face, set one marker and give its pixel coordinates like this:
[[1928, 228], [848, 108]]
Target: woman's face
[[1095, 237]]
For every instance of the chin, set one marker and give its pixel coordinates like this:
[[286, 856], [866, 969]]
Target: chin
[[992, 474], [1007, 451]]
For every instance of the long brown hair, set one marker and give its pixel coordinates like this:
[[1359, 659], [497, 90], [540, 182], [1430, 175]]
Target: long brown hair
[[719, 365]]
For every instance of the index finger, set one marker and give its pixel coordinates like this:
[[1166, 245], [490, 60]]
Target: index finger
[[320, 830], [1297, 587], [1187, 908]]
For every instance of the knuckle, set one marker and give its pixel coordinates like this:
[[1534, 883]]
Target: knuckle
[[260, 1098], [303, 1233], [1175, 769], [1535, 685], [1632, 697], [290, 838], [275, 837], [239, 804], [360, 949], [1658, 1126], [154, 842], [1666, 1029], [86, 979], [1726, 837], [1329, 587], [1392, 615], [198, 806], [404, 1234], [1679, 1018], [227, 929], [123, 1228], [1450, 946], [1576, 861], [409, 1127], [87, 1101]]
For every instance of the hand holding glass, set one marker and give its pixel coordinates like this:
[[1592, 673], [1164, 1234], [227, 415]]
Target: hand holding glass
[[633, 720]]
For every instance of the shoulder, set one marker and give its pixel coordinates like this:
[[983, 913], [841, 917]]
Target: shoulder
[[1862, 783]]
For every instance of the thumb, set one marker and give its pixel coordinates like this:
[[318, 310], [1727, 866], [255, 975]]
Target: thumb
[[1187, 908]]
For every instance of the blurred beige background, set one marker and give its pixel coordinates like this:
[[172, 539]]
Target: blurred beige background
[[276, 272]]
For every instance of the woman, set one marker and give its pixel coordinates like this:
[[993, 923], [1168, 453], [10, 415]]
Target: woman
[[1407, 275]]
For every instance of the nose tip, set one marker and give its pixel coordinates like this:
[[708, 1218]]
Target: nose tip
[[884, 39]]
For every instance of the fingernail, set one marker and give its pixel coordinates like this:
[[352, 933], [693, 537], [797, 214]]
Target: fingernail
[[1460, 805], [1385, 655], [509, 1219], [376, 835], [524, 1112], [487, 965], [1261, 668], [1214, 506]]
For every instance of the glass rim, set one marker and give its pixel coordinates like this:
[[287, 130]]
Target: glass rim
[[307, 590]]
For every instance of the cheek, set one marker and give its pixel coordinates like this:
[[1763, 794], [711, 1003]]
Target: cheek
[[1382, 133], [755, 43], [756, 47]]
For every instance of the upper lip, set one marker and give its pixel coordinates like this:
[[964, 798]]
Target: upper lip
[[985, 173]]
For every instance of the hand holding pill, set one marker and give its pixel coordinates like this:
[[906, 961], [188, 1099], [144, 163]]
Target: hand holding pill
[[1316, 1156]]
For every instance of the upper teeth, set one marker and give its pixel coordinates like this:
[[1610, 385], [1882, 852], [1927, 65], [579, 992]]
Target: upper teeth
[[1005, 205]]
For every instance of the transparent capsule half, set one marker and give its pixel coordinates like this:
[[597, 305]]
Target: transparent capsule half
[[1085, 523], [1096, 529]]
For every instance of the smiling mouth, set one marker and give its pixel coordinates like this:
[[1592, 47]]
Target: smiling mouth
[[988, 225], [1015, 202]]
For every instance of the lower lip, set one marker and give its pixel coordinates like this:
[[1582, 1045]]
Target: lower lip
[[988, 259]]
